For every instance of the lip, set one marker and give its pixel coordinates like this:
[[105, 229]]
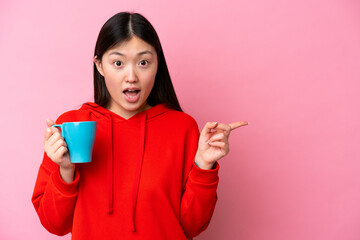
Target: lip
[[131, 88]]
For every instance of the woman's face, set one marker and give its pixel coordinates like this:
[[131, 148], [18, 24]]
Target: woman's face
[[129, 70]]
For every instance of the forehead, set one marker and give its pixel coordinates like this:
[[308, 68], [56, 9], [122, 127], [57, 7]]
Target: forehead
[[132, 46]]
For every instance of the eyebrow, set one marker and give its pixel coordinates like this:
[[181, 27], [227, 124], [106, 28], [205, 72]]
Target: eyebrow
[[140, 53]]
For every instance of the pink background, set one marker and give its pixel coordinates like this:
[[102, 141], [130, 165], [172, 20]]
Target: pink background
[[290, 68]]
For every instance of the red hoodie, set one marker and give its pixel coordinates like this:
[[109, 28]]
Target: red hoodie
[[142, 182]]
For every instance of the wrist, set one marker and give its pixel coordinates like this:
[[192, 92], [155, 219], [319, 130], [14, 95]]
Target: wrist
[[202, 164], [67, 174]]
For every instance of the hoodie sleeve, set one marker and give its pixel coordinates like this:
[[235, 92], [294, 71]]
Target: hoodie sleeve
[[199, 191], [54, 200]]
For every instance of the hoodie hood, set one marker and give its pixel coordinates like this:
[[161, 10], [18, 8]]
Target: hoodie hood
[[140, 120]]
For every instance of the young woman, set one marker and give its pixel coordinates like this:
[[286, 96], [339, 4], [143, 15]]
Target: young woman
[[152, 175]]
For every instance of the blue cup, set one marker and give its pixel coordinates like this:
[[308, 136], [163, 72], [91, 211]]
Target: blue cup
[[80, 138]]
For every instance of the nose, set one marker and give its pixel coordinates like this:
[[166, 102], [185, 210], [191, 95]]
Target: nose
[[131, 76]]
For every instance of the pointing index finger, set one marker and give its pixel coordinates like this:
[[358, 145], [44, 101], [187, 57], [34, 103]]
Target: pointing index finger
[[237, 124]]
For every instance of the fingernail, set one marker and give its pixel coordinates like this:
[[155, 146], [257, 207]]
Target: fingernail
[[214, 123], [48, 130]]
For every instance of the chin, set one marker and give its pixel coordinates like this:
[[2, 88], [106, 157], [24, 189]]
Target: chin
[[134, 106]]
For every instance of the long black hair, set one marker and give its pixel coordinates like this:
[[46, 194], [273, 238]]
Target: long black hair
[[122, 27]]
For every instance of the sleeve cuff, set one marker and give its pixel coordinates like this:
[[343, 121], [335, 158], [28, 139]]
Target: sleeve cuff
[[62, 186], [205, 176]]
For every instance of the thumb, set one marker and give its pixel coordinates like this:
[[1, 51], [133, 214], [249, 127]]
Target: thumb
[[208, 127], [49, 122]]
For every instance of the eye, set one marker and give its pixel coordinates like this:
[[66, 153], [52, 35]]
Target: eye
[[143, 62], [117, 63]]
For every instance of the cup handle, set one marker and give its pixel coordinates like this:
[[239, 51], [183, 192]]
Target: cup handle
[[58, 126]]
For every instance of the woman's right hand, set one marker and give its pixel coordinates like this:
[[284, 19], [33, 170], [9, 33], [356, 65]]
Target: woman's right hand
[[56, 149]]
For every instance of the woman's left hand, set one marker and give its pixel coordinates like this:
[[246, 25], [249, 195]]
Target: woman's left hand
[[214, 143]]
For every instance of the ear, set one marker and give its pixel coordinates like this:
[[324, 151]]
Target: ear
[[98, 65]]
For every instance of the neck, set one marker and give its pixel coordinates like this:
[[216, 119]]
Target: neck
[[127, 114]]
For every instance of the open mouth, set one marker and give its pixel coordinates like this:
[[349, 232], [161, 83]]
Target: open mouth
[[131, 93]]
